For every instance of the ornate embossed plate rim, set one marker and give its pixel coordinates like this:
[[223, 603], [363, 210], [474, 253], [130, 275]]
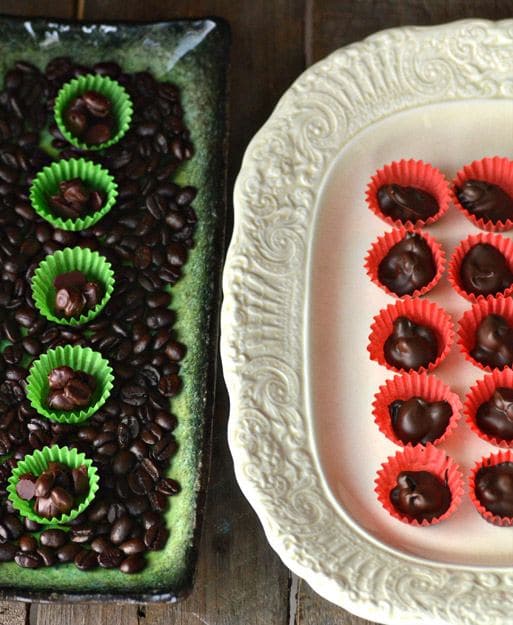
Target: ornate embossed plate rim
[[263, 316]]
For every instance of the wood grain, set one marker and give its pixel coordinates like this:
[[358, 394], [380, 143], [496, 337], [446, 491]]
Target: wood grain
[[335, 23], [35, 8], [13, 613], [90, 614]]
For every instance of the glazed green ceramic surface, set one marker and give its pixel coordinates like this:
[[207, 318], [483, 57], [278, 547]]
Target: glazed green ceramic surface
[[193, 54]]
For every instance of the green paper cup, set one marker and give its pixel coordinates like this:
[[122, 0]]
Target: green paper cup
[[46, 184], [122, 108], [36, 464], [92, 264], [78, 358]]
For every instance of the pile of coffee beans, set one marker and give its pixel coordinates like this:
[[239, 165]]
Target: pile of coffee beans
[[146, 237], [75, 294], [57, 490], [69, 388], [89, 117], [75, 200]]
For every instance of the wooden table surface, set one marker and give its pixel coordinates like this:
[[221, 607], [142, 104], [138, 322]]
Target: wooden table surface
[[240, 580]]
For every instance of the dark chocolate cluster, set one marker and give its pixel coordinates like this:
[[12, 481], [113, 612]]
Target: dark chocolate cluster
[[494, 488], [485, 271], [495, 417], [418, 421], [410, 345], [89, 118], [494, 342], [409, 265], [406, 203], [485, 200], [420, 495], [69, 388], [75, 200], [57, 490], [75, 294]]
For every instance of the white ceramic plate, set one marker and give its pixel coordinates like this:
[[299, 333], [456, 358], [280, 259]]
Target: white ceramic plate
[[298, 308]]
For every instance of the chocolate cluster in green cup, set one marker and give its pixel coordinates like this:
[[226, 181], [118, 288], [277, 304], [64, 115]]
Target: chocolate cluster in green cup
[[53, 486]]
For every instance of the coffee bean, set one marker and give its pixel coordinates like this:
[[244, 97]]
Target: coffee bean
[[68, 552], [28, 560], [85, 560], [167, 486], [132, 564], [170, 385], [82, 534], [121, 529], [53, 538], [47, 555], [27, 543], [110, 558], [156, 537], [7, 552]]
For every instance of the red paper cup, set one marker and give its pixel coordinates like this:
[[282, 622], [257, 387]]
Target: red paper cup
[[385, 243], [419, 458], [482, 392], [505, 455], [405, 387], [420, 312], [496, 170], [410, 173], [471, 319], [503, 244]]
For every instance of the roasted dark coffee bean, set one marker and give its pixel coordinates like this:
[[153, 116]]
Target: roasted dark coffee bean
[[68, 552], [165, 420], [27, 543], [167, 486], [137, 505], [123, 462], [121, 529], [54, 538], [170, 385], [110, 558], [156, 537], [82, 534], [7, 552], [164, 449], [132, 564], [175, 351], [47, 555], [13, 354], [101, 544], [29, 560], [31, 345], [133, 545], [13, 525], [85, 560], [150, 468], [31, 526]]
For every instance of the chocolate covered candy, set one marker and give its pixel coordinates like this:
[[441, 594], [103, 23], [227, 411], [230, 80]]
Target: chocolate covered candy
[[411, 345], [406, 203], [69, 389], [416, 420], [75, 294], [494, 342], [420, 495], [75, 200], [89, 117], [494, 488], [408, 266], [485, 271], [485, 200], [495, 417]]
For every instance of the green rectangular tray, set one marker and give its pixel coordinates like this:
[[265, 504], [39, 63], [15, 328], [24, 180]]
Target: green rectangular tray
[[194, 55]]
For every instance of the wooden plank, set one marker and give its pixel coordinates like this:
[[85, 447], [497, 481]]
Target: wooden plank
[[90, 614], [45, 8], [335, 23], [13, 613], [312, 610]]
